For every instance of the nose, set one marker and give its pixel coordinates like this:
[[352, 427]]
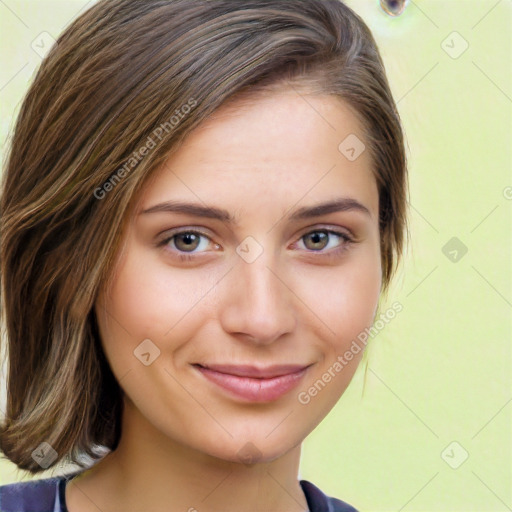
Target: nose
[[257, 303]]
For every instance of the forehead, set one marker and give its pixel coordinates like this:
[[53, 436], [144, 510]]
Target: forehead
[[291, 124], [282, 147]]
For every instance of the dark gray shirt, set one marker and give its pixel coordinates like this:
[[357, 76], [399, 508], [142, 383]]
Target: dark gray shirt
[[47, 495]]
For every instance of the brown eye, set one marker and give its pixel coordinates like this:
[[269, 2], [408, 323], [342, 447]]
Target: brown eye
[[327, 243], [316, 240], [186, 241], [190, 243]]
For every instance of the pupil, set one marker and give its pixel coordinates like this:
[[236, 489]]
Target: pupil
[[317, 238], [187, 240]]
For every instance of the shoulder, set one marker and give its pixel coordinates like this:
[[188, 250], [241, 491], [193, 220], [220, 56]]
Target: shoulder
[[320, 502], [42, 495]]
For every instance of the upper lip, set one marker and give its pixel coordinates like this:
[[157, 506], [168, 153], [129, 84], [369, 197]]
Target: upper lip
[[245, 370]]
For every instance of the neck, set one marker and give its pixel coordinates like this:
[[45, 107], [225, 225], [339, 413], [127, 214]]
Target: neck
[[149, 471]]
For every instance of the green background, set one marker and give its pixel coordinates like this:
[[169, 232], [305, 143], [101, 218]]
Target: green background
[[440, 372]]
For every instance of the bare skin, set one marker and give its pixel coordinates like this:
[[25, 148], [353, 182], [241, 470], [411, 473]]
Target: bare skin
[[188, 444]]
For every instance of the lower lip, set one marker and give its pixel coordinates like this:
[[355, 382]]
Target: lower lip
[[254, 390]]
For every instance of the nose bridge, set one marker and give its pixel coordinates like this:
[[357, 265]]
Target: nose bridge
[[259, 303], [263, 289]]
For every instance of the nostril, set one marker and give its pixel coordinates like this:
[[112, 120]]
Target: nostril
[[394, 7]]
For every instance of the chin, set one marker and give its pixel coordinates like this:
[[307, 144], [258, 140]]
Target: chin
[[247, 451]]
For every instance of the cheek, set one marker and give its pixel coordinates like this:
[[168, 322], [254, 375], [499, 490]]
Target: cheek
[[346, 310], [345, 299], [360, 297], [131, 311], [148, 298]]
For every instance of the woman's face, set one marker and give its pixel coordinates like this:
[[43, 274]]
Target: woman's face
[[234, 301]]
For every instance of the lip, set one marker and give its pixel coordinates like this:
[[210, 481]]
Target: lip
[[254, 384]]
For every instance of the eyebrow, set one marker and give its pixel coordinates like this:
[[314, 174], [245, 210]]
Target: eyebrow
[[343, 204]]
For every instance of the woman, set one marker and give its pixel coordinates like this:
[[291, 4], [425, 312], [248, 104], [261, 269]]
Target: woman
[[203, 204]]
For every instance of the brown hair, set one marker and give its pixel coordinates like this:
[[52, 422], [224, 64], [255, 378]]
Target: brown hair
[[121, 89]]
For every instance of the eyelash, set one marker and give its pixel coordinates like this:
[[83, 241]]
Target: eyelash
[[347, 241]]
